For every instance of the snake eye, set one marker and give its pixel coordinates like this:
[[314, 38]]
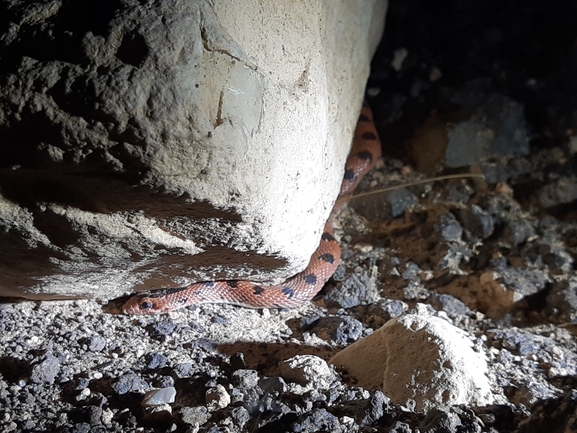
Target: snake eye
[[146, 305]]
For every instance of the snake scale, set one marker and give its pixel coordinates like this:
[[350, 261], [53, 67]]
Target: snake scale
[[295, 291]]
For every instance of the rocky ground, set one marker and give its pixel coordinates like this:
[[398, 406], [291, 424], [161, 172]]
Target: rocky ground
[[471, 88]]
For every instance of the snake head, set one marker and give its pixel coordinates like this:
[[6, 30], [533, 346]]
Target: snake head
[[142, 304], [156, 301]]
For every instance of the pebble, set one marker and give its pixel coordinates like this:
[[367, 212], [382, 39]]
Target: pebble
[[244, 379], [45, 370], [129, 382], [158, 397], [217, 397], [155, 360], [195, 416], [316, 421], [309, 371], [342, 330]]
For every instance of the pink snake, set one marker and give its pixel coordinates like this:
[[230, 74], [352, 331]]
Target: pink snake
[[295, 291]]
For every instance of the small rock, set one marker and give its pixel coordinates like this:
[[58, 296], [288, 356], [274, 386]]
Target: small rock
[[560, 192], [46, 370], [316, 421], [272, 384], [96, 343], [451, 230], [165, 327], [460, 192], [439, 420], [495, 128], [217, 397], [400, 427], [240, 416], [155, 360], [195, 416], [562, 302], [160, 414], [374, 409], [400, 200], [309, 371], [411, 272], [358, 288], [158, 397], [93, 414], [129, 382], [520, 231], [183, 370], [523, 282], [245, 379], [451, 305], [342, 330], [478, 222]]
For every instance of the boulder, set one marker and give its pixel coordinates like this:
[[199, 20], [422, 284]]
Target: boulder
[[151, 144], [419, 357]]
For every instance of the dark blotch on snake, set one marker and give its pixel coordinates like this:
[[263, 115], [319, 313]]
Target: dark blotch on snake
[[207, 283], [327, 237], [349, 174], [365, 156], [311, 279], [232, 283], [368, 136], [288, 292], [258, 290], [329, 258]]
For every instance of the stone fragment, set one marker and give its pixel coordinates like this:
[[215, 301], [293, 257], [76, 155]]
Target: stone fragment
[[418, 357], [96, 343], [342, 330], [157, 397], [244, 379], [557, 193], [217, 397], [451, 230], [194, 416], [373, 410], [45, 370], [400, 200], [155, 360], [478, 222], [358, 288], [496, 127], [129, 382], [308, 371], [562, 302], [316, 421]]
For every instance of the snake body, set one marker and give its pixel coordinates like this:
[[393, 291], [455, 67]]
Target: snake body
[[295, 291]]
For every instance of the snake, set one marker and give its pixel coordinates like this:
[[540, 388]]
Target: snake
[[297, 290]]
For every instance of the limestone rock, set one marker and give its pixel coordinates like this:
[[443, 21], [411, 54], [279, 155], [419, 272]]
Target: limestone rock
[[148, 144], [419, 357]]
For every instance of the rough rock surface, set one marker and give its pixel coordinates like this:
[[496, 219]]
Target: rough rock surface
[[419, 357], [147, 144]]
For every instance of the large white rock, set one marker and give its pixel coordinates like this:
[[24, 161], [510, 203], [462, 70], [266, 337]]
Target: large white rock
[[419, 357], [149, 144]]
